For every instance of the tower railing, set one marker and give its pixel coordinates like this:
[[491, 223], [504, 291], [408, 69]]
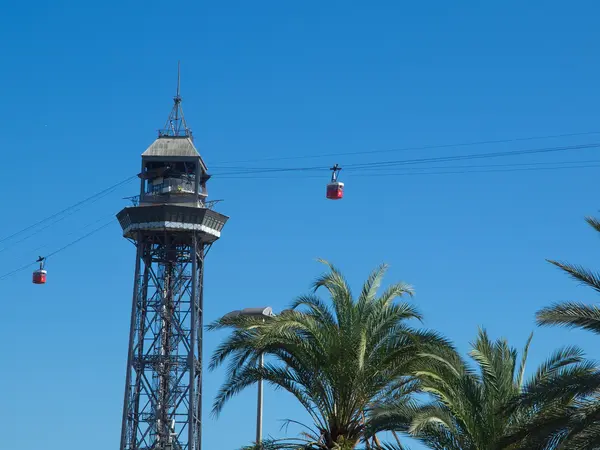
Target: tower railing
[[175, 198], [174, 133]]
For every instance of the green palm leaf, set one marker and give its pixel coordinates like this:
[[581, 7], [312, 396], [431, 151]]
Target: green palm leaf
[[579, 273], [572, 315]]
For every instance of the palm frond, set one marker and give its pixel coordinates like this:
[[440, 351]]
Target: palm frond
[[579, 273], [427, 415], [524, 354], [593, 222], [395, 291], [316, 306], [562, 357], [371, 285], [577, 380], [572, 315]]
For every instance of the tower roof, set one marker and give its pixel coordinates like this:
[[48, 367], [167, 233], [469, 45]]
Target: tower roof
[[172, 146]]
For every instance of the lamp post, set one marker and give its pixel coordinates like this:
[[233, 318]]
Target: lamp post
[[263, 312]]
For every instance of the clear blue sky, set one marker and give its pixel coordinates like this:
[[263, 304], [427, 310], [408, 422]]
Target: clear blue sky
[[85, 86]]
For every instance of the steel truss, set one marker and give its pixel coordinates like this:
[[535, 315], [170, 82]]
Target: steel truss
[[163, 393]]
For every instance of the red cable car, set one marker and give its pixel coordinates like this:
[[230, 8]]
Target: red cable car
[[39, 276], [335, 189]]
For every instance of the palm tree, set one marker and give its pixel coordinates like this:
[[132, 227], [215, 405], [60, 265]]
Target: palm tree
[[570, 314], [579, 425], [335, 357], [473, 409]]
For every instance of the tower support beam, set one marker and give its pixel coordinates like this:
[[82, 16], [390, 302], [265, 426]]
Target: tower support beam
[[162, 405]]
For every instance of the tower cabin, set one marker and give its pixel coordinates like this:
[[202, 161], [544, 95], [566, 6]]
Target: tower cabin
[[174, 173]]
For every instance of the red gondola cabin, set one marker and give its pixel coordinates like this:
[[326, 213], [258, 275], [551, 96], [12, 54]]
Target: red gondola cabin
[[335, 190], [39, 276]]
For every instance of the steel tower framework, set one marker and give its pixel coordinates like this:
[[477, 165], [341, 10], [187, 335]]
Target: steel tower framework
[[172, 227]]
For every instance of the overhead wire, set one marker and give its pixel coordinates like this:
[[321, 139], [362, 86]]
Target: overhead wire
[[94, 231], [104, 217], [401, 174], [63, 211], [402, 149], [537, 163], [271, 169], [20, 269], [64, 247], [60, 218], [517, 169], [357, 166], [474, 156], [423, 170]]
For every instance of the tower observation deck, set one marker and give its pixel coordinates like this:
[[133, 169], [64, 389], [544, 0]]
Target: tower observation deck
[[172, 227]]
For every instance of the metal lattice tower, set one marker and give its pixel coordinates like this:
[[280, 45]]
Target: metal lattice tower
[[173, 227]]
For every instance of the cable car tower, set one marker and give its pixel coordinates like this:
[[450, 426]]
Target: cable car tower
[[173, 227]]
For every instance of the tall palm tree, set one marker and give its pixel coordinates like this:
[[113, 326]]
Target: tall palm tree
[[580, 423], [335, 357], [469, 408]]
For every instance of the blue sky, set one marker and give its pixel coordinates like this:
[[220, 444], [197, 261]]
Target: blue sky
[[85, 86]]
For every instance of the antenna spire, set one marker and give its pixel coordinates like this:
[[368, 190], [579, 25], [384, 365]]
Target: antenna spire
[[176, 125], [178, 97]]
